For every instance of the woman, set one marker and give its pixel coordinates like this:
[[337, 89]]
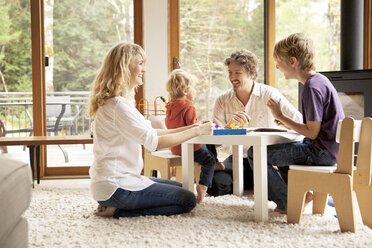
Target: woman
[[119, 132]]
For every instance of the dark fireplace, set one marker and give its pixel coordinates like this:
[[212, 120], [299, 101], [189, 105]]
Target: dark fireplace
[[354, 88]]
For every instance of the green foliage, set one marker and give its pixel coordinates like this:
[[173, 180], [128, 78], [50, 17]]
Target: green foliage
[[82, 33], [318, 20], [15, 45], [210, 31]]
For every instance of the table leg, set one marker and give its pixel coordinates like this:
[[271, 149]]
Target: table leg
[[32, 162], [260, 183], [188, 166], [238, 185], [38, 163]]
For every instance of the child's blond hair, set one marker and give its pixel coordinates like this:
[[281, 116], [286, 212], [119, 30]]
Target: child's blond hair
[[179, 81], [296, 45]]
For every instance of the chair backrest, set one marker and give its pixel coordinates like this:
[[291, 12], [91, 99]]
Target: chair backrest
[[345, 159], [55, 109], [364, 161]]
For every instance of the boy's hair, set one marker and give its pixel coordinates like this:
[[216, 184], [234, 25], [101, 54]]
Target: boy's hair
[[178, 81], [296, 45], [246, 59], [113, 78]]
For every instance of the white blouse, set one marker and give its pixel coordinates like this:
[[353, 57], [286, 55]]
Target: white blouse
[[119, 130]]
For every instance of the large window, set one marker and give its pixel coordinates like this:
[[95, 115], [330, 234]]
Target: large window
[[77, 36], [318, 19], [15, 72], [209, 32]]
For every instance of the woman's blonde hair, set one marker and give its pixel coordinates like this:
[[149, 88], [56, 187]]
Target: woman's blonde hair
[[246, 59], [114, 75], [296, 45], [178, 81]]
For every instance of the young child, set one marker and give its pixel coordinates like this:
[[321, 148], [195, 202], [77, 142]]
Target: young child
[[321, 109], [181, 112]]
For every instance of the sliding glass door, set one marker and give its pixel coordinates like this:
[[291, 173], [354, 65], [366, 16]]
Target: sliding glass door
[[15, 75], [77, 36]]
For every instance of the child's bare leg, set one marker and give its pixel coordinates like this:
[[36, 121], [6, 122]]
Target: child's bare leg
[[201, 190], [104, 211], [219, 166], [308, 198]]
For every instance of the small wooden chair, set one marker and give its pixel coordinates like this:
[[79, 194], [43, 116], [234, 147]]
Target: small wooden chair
[[167, 164], [164, 161], [324, 180], [363, 173]]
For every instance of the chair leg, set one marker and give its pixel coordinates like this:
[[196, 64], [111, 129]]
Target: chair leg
[[153, 163], [364, 196], [295, 198], [319, 202], [179, 174], [165, 170], [197, 171], [344, 205], [147, 171]]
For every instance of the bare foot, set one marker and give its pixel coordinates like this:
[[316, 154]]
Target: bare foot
[[219, 166], [104, 211], [280, 211], [201, 190], [309, 197]]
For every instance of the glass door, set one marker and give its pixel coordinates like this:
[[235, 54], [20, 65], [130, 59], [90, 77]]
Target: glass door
[[15, 75], [77, 36]]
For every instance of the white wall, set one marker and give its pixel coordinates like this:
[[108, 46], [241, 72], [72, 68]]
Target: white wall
[[156, 47]]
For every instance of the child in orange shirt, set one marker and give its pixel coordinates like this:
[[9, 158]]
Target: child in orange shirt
[[181, 112]]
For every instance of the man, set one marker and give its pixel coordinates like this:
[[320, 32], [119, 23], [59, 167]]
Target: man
[[245, 104]]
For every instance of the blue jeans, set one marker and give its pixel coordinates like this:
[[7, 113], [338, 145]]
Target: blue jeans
[[298, 153], [208, 163], [222, 182], [164, 197]]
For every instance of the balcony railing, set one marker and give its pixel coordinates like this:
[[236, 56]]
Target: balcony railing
[[66, 113]]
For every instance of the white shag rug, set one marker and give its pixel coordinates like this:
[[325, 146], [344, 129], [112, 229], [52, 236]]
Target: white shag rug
[[60, 215]]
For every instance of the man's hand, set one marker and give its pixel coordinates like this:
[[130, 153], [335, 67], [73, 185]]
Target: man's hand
[[239, 118]]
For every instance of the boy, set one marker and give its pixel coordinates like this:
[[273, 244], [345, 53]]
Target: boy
[[321, 109], [181, 112]]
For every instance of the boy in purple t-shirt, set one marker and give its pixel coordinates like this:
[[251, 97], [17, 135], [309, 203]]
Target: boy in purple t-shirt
[[321, 109]]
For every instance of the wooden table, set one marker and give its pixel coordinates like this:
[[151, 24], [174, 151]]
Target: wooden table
[[259, 141], [33, 142]]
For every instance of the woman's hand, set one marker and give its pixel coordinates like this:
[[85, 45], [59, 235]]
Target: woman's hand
[[240, 118], [205, 128]]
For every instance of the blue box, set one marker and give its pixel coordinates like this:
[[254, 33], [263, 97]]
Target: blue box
[[230, 131]]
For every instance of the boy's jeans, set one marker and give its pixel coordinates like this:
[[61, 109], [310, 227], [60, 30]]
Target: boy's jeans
[[208, 163]]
